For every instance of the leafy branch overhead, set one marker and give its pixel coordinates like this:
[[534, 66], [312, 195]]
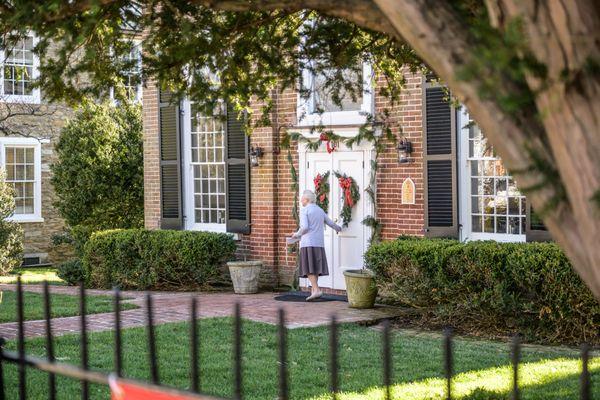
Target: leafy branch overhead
[[203, 53]]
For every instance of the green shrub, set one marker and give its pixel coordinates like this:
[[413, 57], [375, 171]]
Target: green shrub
[[11, 234], [98, 175], [488, 287], [71, 272], [155, 259]]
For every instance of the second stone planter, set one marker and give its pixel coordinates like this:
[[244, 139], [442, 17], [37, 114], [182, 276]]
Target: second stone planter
[[244, 276]]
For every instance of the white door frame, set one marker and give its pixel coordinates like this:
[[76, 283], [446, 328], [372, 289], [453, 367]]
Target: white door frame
[[368, 209]]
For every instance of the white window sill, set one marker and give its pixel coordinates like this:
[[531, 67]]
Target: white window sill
[[11, 98], [334, 118], [25, 219]]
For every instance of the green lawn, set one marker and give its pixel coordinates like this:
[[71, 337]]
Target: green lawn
[[62, 305], [482, 367], [33, 276]]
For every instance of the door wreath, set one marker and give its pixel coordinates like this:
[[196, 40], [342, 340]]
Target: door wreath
[[322, 190], [350, 196]]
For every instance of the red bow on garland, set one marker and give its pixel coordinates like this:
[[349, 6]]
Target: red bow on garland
[[328, 143]]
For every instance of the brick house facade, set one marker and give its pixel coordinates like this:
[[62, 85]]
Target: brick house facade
[[438, 208]]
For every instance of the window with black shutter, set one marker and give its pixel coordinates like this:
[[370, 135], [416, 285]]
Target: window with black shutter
[[238, 174], [439, 162], [170, 171]]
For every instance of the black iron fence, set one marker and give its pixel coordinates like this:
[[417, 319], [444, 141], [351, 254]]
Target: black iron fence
[[87, 376]]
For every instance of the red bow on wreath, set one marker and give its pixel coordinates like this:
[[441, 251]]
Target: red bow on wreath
[[328, 143], [346, 184]]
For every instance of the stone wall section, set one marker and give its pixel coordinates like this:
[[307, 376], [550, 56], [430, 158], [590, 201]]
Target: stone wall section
[[45, 125]]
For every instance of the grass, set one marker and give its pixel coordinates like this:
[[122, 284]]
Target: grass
[[482, 368], [62, 305], [33, 276]]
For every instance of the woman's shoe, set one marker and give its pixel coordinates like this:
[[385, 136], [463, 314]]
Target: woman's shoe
[[314, 296]]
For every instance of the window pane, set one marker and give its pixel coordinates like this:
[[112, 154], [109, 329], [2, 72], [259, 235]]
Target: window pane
[[324, 96], [476, 205], [488, 224], [476, 223], [513, 205], [28, 206], [500, 224]]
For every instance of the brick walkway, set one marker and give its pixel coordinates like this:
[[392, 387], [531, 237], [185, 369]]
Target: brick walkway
[[174, 307]]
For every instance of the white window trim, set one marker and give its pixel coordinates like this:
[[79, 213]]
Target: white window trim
[[466, 229], [37, 156], [306, 116], [188, 178], [35, 97]]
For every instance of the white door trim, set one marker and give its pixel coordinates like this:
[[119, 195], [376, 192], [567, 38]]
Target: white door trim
[[366, 203]]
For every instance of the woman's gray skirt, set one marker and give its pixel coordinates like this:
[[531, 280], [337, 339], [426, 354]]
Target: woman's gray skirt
[[313, 261]]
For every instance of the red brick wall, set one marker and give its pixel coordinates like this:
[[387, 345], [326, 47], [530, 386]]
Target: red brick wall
[[151, 157], [406, 120], [271, 194]]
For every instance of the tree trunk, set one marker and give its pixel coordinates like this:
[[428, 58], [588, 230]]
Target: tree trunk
[[564, 37]]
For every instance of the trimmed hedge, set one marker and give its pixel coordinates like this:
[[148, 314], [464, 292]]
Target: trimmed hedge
[[155, 259], [488, 287]]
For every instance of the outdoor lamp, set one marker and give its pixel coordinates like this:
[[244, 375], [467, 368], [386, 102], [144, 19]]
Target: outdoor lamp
[[255, 154], [404, 151]]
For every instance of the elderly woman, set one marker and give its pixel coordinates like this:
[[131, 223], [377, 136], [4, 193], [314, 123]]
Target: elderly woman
[[313, 262]]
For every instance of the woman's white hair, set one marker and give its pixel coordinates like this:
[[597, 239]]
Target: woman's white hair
[[310, 196]]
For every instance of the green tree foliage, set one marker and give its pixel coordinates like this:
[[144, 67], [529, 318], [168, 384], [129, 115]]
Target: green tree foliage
[[11, 234], [98, 176], [207, 54]]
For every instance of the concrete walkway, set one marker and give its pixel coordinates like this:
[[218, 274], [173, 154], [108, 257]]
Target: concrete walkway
[[175, 307]]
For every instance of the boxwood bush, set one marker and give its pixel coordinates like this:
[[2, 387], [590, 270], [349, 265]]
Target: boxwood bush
[[155, 259], [488, 287]]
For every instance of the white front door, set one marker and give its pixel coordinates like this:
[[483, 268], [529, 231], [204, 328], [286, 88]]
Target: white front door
[[344, 250]]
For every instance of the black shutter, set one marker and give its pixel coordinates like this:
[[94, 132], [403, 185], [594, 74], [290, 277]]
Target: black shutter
[[238, 175], [535, 230], [439, 163], [170, 171]]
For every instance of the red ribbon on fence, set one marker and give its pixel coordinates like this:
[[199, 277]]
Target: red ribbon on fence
[[123, 390]]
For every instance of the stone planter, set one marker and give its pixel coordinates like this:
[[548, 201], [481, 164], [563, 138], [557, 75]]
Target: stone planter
[[360, 288], [244, 275]]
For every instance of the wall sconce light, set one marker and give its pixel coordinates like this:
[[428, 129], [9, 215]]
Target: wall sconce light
[[255, 154], [404, 151]]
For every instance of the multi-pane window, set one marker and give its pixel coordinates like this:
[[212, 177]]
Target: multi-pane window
[[208, 163], [323, 96], [131, 76], [18, 68], [20, 174], [497, 205]]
